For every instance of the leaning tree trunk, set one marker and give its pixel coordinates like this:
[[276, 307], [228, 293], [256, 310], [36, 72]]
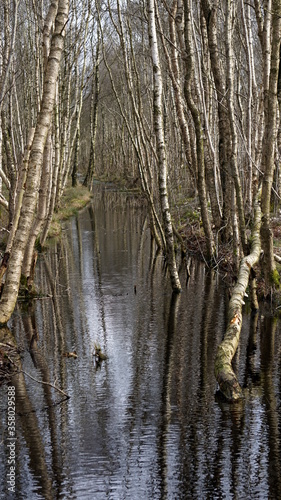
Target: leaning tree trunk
[[13, 275], [54, 178], [224, 373], [160, 143], [41, 215]]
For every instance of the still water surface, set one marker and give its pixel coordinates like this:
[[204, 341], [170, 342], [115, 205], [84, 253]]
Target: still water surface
[[146, 423]]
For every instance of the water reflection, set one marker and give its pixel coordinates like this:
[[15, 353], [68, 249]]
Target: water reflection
[[146, 422]]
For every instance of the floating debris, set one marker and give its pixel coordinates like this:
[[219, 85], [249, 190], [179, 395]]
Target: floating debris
[[70, 354], [99, 356]]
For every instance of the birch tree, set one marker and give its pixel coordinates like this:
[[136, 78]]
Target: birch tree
[[230, 20], [211, 14], [13, 274], [95, 92], [10, 22], [271, 69], [201, 182], [160, 143]]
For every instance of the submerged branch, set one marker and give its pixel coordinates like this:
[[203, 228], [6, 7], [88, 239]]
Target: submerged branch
[[46, 383], [20, 370], [224, 373]]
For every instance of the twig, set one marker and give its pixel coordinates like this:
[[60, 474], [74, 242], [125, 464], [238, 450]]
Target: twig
[[39, 381], [199, 246], [46, 383]]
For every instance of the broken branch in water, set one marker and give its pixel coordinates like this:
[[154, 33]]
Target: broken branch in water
[[36, 380], [46, 383]]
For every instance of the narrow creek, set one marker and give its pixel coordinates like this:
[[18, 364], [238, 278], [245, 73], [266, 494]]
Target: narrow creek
[[146, 423]]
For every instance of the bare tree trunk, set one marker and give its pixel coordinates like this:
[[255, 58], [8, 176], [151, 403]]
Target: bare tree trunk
[[211, 13], [12, 282], [201, 183], [230, 84], [20, 191], [54, 179], [11, 169], [206, 96], [174, 73], [9, 45], [160, 143], [94, 119], [246, 18], [269, 140], [44, 192], [76, 152]]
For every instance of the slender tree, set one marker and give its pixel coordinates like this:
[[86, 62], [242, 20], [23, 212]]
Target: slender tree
[[269, 141], [161, 149], [95, 92], [13, 274], [201, 181]]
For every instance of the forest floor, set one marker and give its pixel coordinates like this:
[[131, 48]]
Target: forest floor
[[186, 215]]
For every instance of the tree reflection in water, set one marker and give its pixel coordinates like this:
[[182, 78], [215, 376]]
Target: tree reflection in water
[[148, 422]]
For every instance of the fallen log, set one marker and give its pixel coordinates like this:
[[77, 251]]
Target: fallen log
[[227, 380]]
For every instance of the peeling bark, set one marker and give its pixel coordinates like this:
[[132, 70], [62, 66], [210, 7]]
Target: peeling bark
[[224, 373]]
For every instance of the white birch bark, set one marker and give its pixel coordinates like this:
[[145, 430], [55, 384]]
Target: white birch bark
[[43, 198], [269, 141], [250, 97], [195, 112], [160, 143], [54, 178], [230, 7], [13, 275], [137, 145]]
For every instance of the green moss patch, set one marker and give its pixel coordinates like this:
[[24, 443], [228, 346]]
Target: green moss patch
[[72, 200]]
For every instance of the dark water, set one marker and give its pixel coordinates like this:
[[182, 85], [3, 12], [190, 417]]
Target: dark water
[[146, 423]]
